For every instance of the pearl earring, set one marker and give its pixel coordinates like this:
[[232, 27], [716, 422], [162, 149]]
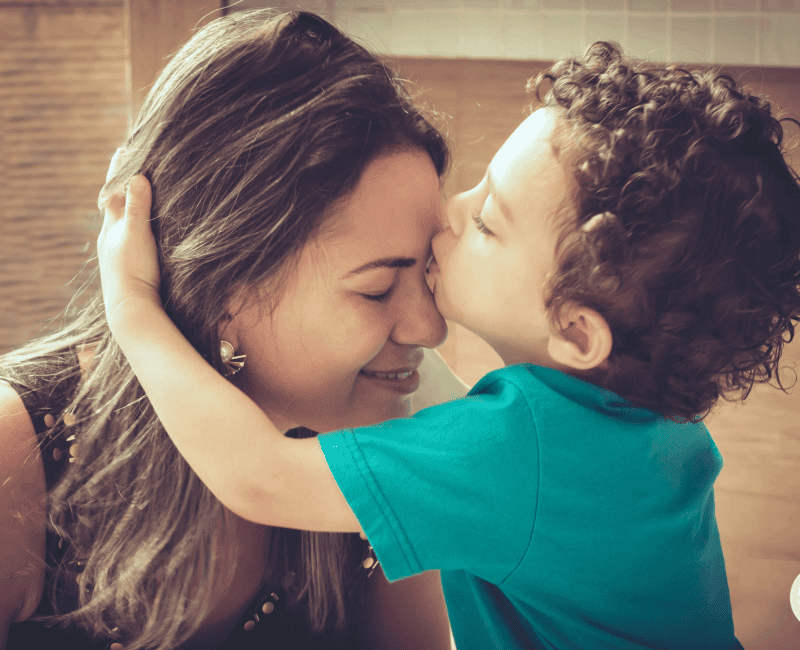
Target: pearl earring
[[229, 357]]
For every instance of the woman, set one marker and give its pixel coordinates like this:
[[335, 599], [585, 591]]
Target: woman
[[265, 135]]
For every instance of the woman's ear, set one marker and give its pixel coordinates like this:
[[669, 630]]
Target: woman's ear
[[585, 340], [230, 321], [227, 331]]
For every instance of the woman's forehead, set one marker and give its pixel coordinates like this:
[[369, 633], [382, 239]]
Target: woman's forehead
[[397, 190], [388, 223]]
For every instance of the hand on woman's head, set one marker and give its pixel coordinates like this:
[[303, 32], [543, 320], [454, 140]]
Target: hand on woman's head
[[113, 169], [127, 253]]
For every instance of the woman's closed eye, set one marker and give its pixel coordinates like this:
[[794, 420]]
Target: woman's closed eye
[[380, 297], [480, 225]]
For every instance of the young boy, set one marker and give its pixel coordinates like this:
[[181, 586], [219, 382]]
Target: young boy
[[632, 253]]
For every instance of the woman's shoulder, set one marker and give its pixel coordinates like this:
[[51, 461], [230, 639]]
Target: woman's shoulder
[[32, 397], [22, 503], [45, 387]]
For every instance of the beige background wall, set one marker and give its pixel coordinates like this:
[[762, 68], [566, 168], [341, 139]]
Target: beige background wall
[[759, 32]]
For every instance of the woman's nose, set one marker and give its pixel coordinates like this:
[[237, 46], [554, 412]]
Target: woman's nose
[[418, 320]]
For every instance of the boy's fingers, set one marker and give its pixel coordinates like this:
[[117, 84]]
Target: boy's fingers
[[113, 168], [137, 206], [116, 161], [114, 208]]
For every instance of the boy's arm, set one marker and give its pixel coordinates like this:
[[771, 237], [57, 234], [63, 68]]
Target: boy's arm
[[225, 437]]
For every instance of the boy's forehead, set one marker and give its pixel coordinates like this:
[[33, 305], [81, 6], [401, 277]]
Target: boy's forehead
[[531, 178], [527, 169], [531, 143]]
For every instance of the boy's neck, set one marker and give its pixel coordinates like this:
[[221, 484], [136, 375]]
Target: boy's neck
[[544, 360]]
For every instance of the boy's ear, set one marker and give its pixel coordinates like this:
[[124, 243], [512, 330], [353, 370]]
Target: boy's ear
[[585, 341]]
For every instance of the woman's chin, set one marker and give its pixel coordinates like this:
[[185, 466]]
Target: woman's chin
[[358, 408], [399, 407]]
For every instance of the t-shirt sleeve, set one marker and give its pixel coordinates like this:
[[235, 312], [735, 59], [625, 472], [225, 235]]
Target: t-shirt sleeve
[[452, 488]]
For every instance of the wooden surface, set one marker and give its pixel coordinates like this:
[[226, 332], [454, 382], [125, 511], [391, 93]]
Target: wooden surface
[[758, 508], [156, 30], [63, 107], [72, 74]]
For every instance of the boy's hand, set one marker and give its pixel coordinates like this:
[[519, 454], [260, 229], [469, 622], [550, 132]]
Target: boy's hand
[[127, 254]]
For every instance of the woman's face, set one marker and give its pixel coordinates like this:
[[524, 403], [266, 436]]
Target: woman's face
[[357, 312]]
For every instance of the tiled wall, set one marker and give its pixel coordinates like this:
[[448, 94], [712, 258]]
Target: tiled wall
[[749, 32]]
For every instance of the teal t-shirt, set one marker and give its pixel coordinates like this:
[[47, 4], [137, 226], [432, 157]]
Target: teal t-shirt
[[559, 515]]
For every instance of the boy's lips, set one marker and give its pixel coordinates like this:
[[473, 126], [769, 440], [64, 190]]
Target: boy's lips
[[431, 274]]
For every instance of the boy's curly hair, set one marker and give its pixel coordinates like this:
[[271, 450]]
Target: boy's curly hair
[[687, 239]]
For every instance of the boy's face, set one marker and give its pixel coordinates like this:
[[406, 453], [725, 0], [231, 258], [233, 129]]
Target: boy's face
[[493, 260]]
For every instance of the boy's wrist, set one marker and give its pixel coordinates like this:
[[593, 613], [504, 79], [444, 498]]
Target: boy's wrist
[[134, 316]]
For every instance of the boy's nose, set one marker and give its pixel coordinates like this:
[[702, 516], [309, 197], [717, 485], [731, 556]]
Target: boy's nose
[[453, 209], [437, 244]]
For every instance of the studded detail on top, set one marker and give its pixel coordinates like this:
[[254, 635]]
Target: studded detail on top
[[271, 621]]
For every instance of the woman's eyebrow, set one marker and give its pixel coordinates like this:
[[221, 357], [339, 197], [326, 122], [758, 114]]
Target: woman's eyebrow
[[385, 262]]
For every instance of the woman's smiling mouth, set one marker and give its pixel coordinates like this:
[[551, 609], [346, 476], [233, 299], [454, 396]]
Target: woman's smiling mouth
[[388, 375], [401, 382]]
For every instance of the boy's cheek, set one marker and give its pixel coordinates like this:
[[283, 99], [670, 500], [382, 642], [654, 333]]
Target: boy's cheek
[[440, 296], [442, 245]]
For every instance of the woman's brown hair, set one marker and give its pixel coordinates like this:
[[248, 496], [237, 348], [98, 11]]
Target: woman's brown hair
[[256, 127]]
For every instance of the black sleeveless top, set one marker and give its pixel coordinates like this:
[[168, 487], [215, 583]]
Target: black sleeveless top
[[271, 621]]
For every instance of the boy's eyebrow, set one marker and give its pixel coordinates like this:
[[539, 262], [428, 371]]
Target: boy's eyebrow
[[493, 190], [385, 262]]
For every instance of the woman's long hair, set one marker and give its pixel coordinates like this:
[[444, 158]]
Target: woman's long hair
[[255, 128]]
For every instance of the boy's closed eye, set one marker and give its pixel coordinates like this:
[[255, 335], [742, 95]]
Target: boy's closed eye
[[476, 217]]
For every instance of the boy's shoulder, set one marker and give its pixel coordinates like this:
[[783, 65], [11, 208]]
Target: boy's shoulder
[[566, 412], [523, 376], [536, 381], [550, 392], [517, 386], [493, 395]]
